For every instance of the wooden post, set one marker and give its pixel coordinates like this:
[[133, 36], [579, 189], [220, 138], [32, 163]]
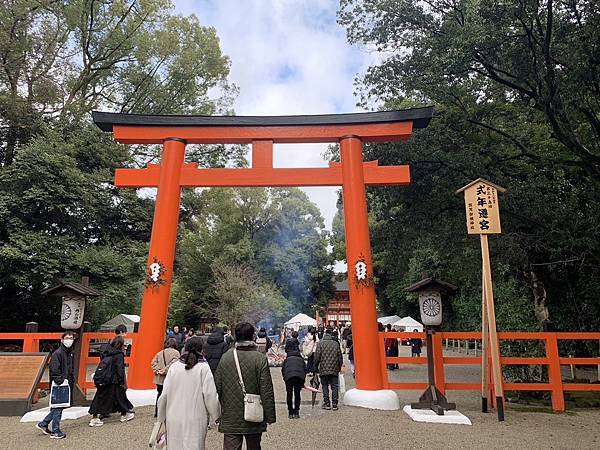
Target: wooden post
[[484, 349], [495, 348]]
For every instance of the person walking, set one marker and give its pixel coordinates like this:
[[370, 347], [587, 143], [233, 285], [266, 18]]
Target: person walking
[[160, 366], [350, 346], [179, 337], [415, 345], [345, 332], [329, 360], [215, 348], [292, 343], [263, 342], [189, 401], [61, 369], [308, 349], [391, 348], [111, 393], [256, 379], [293, 371]]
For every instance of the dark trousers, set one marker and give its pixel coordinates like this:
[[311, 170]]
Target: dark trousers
[[293, 387], [159, 388], [333, 381], [53, 416], [234, 441]]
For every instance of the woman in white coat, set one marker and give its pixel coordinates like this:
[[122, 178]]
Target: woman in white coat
[[189, 400]]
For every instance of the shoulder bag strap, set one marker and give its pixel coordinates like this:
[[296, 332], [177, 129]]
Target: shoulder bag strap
[[237, 365], [164, 359]]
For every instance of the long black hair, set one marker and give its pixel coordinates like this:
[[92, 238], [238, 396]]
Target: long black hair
[[193, 352]]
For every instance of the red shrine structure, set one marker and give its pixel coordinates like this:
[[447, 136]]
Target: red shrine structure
[[337, 311], [349, 131]]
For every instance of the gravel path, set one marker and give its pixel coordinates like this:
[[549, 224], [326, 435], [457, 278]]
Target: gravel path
[[348, 428]]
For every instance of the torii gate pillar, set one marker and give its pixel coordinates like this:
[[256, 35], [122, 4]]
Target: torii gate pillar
[[370, 390]]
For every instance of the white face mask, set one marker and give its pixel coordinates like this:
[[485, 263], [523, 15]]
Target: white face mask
[[67, 342]]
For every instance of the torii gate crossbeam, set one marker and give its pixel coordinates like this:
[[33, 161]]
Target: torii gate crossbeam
[[173, 174]]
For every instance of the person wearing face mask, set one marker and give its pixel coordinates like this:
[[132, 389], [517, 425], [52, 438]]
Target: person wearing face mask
[[61, 369]]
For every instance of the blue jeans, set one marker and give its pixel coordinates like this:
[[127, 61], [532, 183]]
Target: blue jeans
[[53, 416]]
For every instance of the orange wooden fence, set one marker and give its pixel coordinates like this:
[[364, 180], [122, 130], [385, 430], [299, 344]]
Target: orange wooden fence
[[553, 360], [31, 343]]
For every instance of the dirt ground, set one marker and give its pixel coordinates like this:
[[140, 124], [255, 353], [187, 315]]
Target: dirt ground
[[349, 428]]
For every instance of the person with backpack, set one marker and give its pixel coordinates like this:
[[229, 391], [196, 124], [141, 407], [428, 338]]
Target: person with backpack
[[263, 343], [293, 371], [215, 348], [111, 385], [189, 401], [160, 366], [61, 369]]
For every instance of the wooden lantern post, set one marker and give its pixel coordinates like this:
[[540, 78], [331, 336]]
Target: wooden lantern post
[[483, 218], [430, 293]]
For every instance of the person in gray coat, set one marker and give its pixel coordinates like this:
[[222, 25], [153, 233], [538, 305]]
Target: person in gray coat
[[329, 360]]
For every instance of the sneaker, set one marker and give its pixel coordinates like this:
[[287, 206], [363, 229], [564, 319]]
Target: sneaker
[[291, 416], [58, 435], [296, 416], [127, 416], [326, 406], [335, 407], [43, 428], [96, 422]]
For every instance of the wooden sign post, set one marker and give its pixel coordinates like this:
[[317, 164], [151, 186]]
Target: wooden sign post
[[483, 218]]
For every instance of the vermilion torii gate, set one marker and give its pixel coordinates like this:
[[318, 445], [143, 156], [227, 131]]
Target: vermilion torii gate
[[172, 174]]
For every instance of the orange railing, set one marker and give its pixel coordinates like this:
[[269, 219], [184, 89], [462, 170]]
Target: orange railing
[[552, 359], [31, 343]]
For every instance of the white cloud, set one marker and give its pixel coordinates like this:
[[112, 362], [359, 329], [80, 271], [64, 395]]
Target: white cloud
[[287, 57]]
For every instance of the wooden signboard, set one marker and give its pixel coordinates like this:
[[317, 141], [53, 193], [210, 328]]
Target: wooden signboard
[[483, 218], [481, 206], [20, 374]]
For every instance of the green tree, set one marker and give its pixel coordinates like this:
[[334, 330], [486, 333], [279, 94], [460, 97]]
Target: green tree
[[60, 215]]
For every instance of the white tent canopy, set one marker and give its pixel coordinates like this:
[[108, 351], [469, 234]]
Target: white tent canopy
[[300, 320], [129, 320], [409, 324], [388, 319]]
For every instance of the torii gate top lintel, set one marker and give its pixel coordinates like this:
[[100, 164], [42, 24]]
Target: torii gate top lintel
[[369, 126]]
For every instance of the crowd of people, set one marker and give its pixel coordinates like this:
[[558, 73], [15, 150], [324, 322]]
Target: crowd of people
[[213, 378]]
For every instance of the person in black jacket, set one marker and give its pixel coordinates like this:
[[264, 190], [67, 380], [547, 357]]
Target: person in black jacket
[[292, 343], [215, 348], [61, 369], [293, 372], [112, 397]]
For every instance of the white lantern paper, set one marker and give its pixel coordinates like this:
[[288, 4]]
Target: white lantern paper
[[72, 313], [430, 306]]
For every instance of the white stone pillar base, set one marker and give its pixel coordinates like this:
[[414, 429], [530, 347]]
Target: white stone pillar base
[[384, 399]]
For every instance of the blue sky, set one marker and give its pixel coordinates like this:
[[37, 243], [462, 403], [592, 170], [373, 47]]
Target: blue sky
[[287, 57]]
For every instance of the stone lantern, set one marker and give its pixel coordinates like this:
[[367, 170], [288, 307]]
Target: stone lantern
[[430, 293]]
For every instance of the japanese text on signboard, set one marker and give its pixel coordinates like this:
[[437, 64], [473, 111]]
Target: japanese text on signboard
[[483, 214]]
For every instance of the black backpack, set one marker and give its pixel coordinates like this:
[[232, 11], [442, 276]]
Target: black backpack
[[103, 374]]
